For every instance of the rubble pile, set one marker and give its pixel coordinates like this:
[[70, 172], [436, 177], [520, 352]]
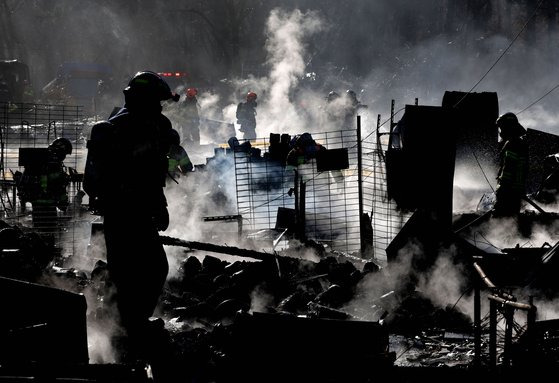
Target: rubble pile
[[211, 303], [24, 254], [203, 305], [434, 349], [213, 289]]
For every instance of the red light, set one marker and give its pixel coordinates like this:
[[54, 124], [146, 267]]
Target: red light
[[172, 74]]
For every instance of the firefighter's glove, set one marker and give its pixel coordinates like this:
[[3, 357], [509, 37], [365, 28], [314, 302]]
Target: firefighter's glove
[[161, 218]]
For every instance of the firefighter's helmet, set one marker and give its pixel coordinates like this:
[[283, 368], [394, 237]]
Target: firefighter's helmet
[[62, 145], [191, 92], [332, 96], [149, 85], [251, 96], [352, 96], [509, 125]]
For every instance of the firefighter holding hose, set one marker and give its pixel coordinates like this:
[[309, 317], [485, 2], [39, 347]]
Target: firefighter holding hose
[[133, 203]]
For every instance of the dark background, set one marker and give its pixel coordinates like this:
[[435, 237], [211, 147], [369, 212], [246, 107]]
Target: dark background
[[384, 48]]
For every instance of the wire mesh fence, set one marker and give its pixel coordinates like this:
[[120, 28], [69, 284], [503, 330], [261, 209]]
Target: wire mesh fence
[[319, 198], [26, 130]]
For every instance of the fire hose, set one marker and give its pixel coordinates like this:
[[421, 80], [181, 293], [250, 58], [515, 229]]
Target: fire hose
[[222, 249]]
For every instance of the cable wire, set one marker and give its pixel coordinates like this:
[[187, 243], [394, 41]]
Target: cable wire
[[538, 100], [502, 54], [482, 171]]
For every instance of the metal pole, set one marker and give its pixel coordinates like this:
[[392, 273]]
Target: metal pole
[[477, 322], [492, 334], [531, 313], [531, 321], [302, 192], [378, 131], [240, 226], [509, 318], [296, 195], [360, 186], [392, 116]]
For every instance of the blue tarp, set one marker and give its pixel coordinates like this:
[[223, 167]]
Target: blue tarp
[[81, 79]]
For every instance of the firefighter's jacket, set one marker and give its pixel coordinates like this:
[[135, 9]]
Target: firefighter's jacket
[[179, 162], [246, 113], [127, 162], [513, 166], [191, 111], [44, 183]]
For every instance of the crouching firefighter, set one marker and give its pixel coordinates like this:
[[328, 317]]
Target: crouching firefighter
[[44, 182], [125, 174]]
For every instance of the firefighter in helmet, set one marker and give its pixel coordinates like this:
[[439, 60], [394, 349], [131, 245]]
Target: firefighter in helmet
[[191, 127], [246, 116], [511, 178], [125, 176], [44, 183], [332, 96], [56, 172]]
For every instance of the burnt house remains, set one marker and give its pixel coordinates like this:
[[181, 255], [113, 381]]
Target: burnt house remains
[[317, 226]]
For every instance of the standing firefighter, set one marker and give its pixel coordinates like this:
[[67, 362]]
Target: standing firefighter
[[511, 179], [125, 175], [191, 127], [246, 116]]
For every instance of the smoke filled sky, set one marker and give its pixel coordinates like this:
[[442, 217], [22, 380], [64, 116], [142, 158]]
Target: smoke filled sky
[[383, 49]]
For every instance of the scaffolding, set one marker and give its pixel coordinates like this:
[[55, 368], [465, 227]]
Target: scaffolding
[[336, 204]]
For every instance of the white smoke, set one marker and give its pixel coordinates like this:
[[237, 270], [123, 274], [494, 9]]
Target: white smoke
[[445, 283], [286, 53], [540, 117], [191, 199], [285, 45], [470, 185], [260, 301]]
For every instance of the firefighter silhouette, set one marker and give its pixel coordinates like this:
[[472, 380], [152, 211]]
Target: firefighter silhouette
[[246, 116], [44, 182], [133, 206]]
